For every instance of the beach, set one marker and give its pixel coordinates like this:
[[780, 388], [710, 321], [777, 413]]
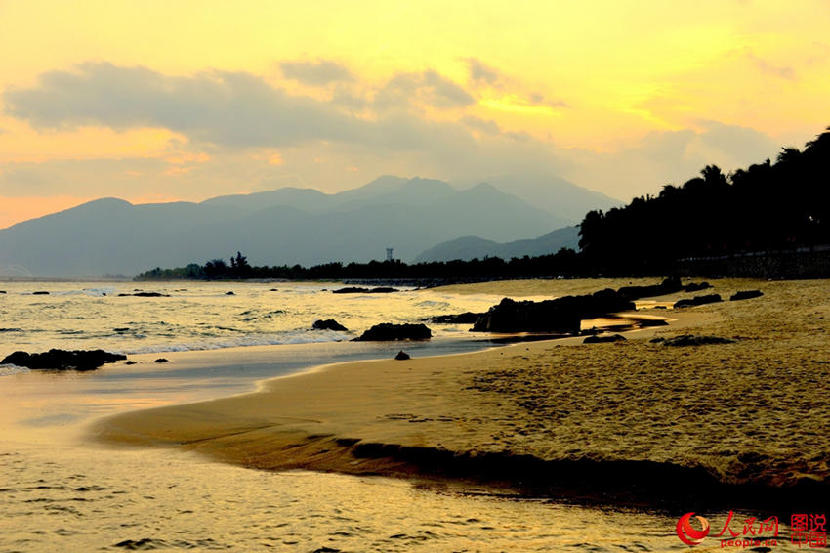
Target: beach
[[531, 446], [748, 413]]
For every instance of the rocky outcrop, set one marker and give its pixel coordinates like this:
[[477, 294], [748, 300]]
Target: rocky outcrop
[[40, 293], [402, 356], [387, 332], [599, 339], [327, 324], [146, 295], [669, 285], [462, 318], [745, 295], [698, 300], [80, 360], [559, 315]]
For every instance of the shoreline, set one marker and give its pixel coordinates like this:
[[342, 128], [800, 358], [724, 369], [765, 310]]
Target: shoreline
[[476, 417]]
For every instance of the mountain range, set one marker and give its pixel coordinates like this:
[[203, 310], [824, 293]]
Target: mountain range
[[470, 247], [285, 226]]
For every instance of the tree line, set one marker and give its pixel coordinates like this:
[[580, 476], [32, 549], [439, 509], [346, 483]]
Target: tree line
[[767, 206]]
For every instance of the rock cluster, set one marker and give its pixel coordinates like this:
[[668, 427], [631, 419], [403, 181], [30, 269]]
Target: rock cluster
[[80, 360], [387, 332], [327, 324]]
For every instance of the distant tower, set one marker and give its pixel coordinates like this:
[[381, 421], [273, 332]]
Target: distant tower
[[390, 254]]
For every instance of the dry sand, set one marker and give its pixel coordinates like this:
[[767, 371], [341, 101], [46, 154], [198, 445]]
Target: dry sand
[[638, 416]]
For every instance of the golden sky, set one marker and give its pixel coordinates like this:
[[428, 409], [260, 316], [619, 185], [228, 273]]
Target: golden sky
[[154, 101]]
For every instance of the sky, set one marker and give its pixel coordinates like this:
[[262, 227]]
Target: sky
[[161, 101]]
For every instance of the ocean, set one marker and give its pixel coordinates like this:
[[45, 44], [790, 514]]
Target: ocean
[[62, 491]]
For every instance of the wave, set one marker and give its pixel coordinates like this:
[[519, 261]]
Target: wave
[[296, 337], [9, 369]]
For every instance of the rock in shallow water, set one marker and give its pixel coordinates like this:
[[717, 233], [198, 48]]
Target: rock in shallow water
[[360, 290], [327, 324], [461, 318], [80, 360], [402, 356], [386, 332]]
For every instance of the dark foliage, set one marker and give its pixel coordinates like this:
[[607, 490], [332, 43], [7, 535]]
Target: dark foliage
[[564, 263], [768, 206]]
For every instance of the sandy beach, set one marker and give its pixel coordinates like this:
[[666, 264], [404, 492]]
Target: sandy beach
[[628, 421]]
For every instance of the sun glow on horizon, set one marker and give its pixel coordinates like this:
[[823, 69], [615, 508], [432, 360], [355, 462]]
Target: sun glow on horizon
[[408, 89]]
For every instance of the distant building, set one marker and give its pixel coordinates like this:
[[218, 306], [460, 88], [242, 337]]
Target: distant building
[[390, 254]]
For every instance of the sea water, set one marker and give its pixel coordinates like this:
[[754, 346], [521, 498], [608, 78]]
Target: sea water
[[59, 491]]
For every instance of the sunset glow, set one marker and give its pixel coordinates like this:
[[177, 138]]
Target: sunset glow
[[359, 91]]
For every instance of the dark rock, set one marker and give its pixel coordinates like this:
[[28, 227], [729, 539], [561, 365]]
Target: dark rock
[[692, 340], [361, 290], [350, 290], [463, 318], [385, 332], [745, 295], [698, 300], [597, 339], [562, 314], [161, 360], [659, 307], [695, 287], [668, 286], [147, 295], [40, 293], [130, 362], [10, 329], [652, 322], [121, 329], [275, 290], [657, 340], [402, 356], [80, 360], [327, 324], [229, 293], [2, 291]]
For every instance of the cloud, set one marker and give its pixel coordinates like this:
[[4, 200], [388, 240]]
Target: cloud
[[783, 71], [229, 117], [667, 157], [481, 73], [317, 73], [231, 109], [428, 87], [225, 108], [482, 125]]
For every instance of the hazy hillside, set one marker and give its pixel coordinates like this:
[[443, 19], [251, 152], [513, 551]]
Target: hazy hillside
[[470, 247], [553, 194], [288, 226]]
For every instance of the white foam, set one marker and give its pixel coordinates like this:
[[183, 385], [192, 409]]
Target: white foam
[[296, 337], [9, 369]]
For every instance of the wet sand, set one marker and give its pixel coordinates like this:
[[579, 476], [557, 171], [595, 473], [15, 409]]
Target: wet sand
[[630, 421]]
